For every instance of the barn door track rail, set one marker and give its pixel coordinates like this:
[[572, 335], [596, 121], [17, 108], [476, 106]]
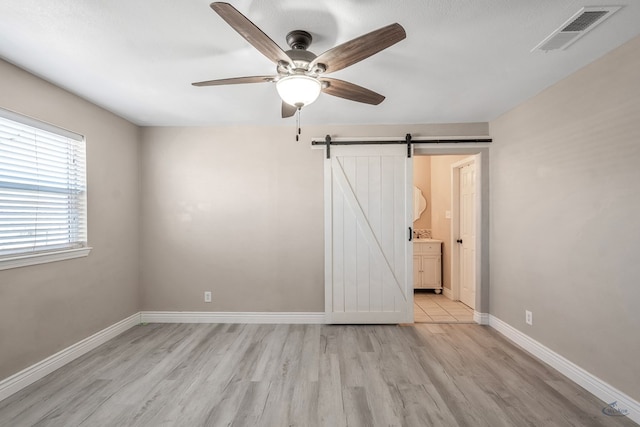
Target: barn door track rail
[[408, 140]]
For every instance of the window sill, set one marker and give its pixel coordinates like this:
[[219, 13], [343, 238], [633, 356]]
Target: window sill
[[42, 258]]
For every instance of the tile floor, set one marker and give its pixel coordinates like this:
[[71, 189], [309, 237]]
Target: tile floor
[[430, 307]]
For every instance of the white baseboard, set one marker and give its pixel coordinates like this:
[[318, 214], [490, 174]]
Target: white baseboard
[[33, 373], [481, 318], [231, 317], [447, 293], [589, 382]]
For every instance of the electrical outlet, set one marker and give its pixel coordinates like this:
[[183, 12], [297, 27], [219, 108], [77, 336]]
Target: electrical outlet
[[207, 296], [528, 317]]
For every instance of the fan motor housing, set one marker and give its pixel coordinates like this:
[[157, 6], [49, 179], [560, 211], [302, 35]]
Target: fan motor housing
[[299, 39], [300, 56]]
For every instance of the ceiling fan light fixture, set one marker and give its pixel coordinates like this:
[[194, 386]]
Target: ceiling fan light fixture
[[298, 90], [300, 73]]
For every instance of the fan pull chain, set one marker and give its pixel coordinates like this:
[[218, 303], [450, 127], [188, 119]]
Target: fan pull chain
[[298, 124]]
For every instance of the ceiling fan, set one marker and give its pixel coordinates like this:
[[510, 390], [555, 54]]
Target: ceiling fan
[[300, 73]]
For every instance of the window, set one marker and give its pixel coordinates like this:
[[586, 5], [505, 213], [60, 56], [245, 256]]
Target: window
[[43, 209]]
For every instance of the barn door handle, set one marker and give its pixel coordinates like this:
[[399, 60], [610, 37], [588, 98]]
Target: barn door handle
[[410, 234], [459, 240]]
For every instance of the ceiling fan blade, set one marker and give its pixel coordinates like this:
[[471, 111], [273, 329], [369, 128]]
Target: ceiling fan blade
[[288, 110], [250, 32], [236, 81], [360, 48], [351, 91]]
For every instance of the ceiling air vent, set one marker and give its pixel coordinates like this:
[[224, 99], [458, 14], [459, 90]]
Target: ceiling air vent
[[575, 27]]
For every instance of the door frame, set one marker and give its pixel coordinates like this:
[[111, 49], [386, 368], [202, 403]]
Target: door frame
[[455, 221], [481, 151]]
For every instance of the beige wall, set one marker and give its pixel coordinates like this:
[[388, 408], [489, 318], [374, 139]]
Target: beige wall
[[441, 196], [422, 180], [565, 233], [239, 211], [48, 307]]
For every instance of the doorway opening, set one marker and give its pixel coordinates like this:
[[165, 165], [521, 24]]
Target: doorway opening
[[447, 245]]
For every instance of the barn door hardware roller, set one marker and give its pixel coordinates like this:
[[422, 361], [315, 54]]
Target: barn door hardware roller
[[327, 142]]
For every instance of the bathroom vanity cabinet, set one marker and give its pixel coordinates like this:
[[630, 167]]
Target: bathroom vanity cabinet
[[427, 264]]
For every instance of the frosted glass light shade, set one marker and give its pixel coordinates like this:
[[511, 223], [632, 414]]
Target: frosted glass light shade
[[298, 90]]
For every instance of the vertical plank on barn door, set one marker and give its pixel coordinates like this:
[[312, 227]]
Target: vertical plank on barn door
[[368, 254]]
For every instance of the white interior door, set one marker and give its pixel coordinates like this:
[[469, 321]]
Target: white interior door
[[368, 255], [468, 235]]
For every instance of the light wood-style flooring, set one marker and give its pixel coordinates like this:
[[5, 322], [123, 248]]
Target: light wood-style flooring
[[305, 375]]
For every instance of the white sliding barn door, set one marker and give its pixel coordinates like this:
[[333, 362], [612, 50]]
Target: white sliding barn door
[[368, 255]]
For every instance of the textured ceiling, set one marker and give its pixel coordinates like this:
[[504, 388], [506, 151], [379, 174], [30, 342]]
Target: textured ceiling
[[462, 60]]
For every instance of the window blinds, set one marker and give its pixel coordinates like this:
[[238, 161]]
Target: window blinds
[[42, 187]]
